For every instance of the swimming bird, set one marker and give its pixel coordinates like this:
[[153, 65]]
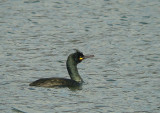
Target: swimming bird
[[71, 64]]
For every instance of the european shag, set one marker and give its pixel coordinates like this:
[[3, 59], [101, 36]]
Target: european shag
[[71, 64]]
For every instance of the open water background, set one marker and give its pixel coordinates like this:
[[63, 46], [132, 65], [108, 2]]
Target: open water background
[[36, 36]]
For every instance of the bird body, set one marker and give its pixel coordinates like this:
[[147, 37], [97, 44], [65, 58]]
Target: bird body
[[71, 64], [54, 82]]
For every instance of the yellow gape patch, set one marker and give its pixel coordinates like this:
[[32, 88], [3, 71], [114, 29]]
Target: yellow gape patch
[[80, 58]]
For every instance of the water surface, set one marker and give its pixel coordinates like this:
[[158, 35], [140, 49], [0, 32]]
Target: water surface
[[36, 36]]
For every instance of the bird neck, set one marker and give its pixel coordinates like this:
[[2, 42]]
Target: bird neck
[[72, 69]]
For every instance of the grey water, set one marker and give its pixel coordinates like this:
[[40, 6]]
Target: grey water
[[36, 36]]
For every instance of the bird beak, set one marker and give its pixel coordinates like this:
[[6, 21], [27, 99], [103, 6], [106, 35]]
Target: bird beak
[[88, 56]]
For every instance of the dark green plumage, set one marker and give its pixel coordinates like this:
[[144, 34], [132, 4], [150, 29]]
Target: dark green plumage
[[71, 64]]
